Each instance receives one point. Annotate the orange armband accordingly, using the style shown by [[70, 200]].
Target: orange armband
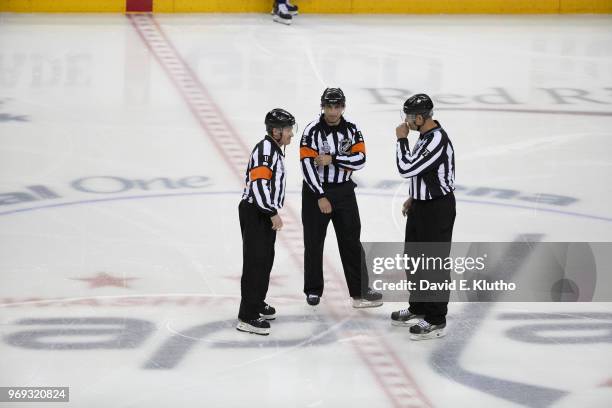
[[307, 152], [260, 172], [358, 148]]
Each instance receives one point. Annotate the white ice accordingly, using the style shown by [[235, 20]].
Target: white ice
[[106, 168]]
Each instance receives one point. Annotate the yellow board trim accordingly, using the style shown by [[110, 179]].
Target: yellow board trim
[[63, 6], [582, 6], [324, 6]]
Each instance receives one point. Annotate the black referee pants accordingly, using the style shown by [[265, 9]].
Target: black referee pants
[[258, 240], [430, 221], [347, 224]]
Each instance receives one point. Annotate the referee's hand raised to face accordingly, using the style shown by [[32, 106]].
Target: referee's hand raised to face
[[401, 131]]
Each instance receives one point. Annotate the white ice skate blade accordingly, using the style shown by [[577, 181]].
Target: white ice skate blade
[[281, 20], [247, 328], [362, 303], [436, 334]]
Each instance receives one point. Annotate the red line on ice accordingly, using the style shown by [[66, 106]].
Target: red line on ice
[[174, 65]]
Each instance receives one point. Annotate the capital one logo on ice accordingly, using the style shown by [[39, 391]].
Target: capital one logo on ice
[[98, 186], [103, 185]]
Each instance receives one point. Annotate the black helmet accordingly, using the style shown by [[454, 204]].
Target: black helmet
[[419, 104], [333, 96], [278, 118]]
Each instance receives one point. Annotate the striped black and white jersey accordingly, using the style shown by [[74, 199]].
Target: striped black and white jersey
[[265, 177], [430, 166], [344, 142]]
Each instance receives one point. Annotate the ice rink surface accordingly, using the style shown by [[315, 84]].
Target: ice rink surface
[[123, 143]]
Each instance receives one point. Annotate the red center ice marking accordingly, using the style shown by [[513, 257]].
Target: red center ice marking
[[377, 355], [103, 279]]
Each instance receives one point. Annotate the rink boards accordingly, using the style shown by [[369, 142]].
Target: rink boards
[[315, 6]]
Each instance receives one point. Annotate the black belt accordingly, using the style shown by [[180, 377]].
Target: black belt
[[337, 185]]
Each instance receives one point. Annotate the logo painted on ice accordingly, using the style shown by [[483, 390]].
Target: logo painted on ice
[[101, 185], [7, 117], [486, 192], [120, 333]]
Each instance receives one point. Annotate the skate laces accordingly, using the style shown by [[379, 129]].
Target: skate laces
[[404, 312], [424, 324]]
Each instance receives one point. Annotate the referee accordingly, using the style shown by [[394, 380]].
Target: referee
[[263, 196], [332, 148], [430, 211]]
